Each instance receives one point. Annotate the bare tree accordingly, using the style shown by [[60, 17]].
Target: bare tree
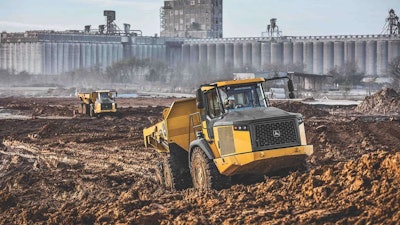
[[348, 75]]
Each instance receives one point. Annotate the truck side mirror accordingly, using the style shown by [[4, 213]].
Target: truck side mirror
[[291, 89], [199, 98]]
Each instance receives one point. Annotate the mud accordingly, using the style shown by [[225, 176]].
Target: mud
[[58, 167]]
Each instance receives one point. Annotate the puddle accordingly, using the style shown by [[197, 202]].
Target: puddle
[[11, 114], [16, 114]]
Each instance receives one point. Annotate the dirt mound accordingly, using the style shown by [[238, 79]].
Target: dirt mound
[[298, 107], [386, 101]]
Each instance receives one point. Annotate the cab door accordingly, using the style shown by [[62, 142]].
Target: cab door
[[213, 111]]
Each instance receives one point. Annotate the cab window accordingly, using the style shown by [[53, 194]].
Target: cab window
[[242, 97], [213, 104]]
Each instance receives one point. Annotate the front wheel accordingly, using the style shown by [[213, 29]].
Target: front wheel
[[205, 174]]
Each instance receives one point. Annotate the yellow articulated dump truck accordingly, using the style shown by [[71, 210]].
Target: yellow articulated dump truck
[[229, 129], [97, 103]]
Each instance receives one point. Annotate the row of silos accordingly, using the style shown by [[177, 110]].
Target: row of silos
[[369, 56], [57, 54], [141, 51], [60, 57], [20, 57], [57, 57]]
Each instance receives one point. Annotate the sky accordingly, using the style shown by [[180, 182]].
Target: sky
[[242, 18]]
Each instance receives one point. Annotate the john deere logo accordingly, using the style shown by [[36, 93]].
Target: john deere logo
[[276, 133]]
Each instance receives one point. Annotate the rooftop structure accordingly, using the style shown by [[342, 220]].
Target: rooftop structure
[[392, 23], [191, 19]]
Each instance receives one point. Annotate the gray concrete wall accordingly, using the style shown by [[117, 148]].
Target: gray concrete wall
[[56, 54]]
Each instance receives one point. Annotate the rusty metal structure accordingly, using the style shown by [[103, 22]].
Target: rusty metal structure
[[272, 29], [392, 23], [110, 27]]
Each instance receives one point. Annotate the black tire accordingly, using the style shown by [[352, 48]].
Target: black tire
[[80, 108], [176, 174], [91, 111], [85, 109], [205, 174]]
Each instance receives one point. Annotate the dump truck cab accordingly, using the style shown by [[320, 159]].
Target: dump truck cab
[[245, 133], [228, 129]]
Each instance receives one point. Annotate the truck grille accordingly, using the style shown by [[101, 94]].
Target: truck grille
[[275, 134], [106, 106]]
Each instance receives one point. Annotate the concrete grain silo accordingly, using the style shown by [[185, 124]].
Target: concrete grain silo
[[194, 54], [360, 53], [350, 50], [220, 56], [203, 54], [256, 55], [298, 52], [265, 54], [371, 56], [277, 53], [328, 61], [247, 55], [308, 57], [382, 57], [186, 54], [229, 55], [211, 55], [238, 55], [394, 49], [338, 54], [318, 57], [287, 53]]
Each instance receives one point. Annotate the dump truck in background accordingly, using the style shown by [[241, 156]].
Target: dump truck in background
[[229, 129], [97, 103]]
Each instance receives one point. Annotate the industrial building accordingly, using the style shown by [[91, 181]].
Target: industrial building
[[52, 53], [191, 19], [56, 53]]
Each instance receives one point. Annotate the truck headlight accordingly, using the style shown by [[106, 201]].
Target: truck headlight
[[240, 127], [300, 119]]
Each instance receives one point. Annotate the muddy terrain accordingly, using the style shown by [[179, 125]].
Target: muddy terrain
[[58, 167]]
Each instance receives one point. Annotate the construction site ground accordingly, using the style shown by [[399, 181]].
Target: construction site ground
[[57, 167]]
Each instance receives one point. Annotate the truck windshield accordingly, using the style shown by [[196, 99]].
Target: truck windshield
[[105, 97], [242, 97]]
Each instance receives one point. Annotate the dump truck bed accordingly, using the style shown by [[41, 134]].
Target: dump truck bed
[[176, 126], [85, 97]]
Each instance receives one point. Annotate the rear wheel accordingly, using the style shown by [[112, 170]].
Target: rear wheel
[[174, 174], [85, 108], [205, 174], [91, 111], [80, 108]]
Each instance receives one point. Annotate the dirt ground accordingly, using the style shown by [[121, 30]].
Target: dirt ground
[[60, 168]]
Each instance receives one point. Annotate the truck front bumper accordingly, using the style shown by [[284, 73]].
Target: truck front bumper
[[262, 162]]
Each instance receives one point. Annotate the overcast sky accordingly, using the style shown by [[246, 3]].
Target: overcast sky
[[242, 18]]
